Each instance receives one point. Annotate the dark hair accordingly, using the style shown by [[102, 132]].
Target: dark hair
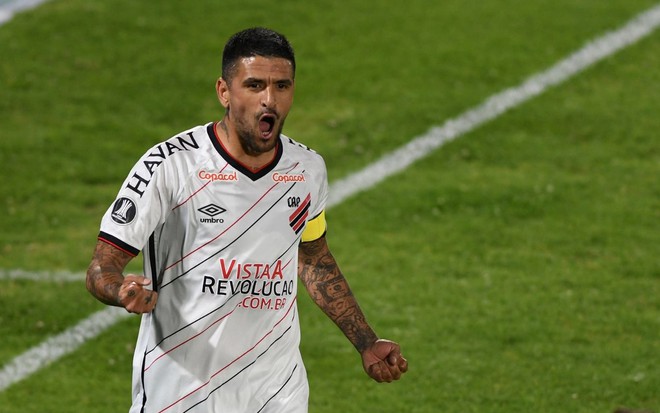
[[256, 41]]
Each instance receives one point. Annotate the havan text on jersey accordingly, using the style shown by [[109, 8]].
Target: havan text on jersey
[[140, 179]]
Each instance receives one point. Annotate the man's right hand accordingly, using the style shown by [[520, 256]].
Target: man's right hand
[[134, 297]]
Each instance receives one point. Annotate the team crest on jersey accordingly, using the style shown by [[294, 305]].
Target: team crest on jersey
[[299, 216], [124, 211]]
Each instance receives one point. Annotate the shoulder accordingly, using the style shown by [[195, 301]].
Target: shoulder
[[187, 144], [302, 153], [316, 175], [170, 154], [189, 140], [311, 163]]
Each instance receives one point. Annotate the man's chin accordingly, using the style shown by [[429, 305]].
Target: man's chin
[[256, 146]]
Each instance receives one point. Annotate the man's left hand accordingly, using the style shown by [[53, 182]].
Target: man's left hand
[[383, 361]]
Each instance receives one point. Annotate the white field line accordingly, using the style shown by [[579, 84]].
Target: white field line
[[9, 9], [56, 276], [398, 160], [60, 345]]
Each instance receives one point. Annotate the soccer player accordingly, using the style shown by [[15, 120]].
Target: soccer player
[[227, 216]]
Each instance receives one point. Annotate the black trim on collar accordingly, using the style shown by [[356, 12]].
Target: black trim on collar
[[215, 139]]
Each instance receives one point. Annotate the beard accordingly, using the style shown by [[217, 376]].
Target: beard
[[252, 142]]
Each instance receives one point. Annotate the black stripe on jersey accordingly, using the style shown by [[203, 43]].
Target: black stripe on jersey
[[242, 370], [116, 242], [295, 243], [192, 323], [152, 263], [210, 257], [215, 139], [233, 241], [280, 389], [226, 303], [144, 390], [154, 282]]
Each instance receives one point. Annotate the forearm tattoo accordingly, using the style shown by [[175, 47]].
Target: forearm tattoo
[[104, 275], [328, 288]]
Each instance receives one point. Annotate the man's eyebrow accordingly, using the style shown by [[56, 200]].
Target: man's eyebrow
[[253, 80], [285, 81]]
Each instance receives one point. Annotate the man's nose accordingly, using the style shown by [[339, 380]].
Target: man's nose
[[268, 97]]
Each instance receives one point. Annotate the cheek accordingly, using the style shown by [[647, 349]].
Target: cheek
[[286, 100], [243, 102], [237, 106]]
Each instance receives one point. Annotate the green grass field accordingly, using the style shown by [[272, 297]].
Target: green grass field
[[518, 266]]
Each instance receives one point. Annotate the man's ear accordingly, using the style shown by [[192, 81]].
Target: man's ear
[[222, 89]]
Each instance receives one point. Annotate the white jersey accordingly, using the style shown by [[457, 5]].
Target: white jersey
[[220, 244]]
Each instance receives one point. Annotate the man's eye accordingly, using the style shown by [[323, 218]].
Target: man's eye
[[253, 85]]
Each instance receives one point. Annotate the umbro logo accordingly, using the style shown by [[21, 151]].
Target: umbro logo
[[211, 210]]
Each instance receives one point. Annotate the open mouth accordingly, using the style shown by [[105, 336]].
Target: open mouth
[[266, 124]]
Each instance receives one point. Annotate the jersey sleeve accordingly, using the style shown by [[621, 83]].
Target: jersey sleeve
[[316, 226], [141, 205]]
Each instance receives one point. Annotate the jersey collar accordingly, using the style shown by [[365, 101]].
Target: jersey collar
[[254, 175]]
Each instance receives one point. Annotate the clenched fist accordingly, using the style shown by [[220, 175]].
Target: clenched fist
[[383, 361], [134, 297]]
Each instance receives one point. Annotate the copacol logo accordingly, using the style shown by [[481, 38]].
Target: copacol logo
[[123, 211], [211, 210]]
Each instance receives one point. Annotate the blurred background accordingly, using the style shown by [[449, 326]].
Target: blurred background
[[517, 265]]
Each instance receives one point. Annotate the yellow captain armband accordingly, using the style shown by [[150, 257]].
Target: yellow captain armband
[[315, 228]]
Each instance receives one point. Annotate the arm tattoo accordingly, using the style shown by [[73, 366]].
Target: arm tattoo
[[104, 275], [328, 288]]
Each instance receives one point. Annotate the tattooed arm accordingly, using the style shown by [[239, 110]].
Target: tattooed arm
[[106, 282], [328, 288]]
